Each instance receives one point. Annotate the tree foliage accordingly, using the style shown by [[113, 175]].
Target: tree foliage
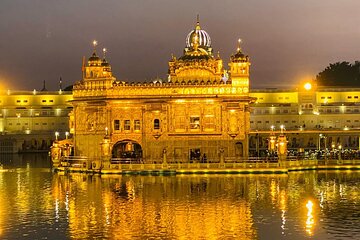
[[340, 74], [69, 88]]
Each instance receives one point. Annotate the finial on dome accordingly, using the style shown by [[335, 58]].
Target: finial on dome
[[95, 43], [239, 45], [197, 22], [104, 52]]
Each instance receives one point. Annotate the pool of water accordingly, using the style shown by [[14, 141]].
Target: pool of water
[[36, 203]]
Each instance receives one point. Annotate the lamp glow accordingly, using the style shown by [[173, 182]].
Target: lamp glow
[[307, 86]]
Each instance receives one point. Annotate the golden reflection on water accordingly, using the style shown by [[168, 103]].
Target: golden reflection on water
[[203, 207], [157, 207], [179, 207], [310, 218]]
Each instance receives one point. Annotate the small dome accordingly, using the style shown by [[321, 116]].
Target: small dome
[[105, 63], [94, 57], [239, 56], [203, 37]]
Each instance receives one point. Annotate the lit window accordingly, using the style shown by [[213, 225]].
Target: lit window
[[127, 125], [116, 124], [18, 101], [156, 124], [349, 97], [51, 100], [194, 122], [136, 124], [43, 100], [356, 97]]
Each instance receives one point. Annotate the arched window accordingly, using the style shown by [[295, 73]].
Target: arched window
[[156, 124]]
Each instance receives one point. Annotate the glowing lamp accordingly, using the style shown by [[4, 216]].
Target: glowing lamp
[[307, 86]]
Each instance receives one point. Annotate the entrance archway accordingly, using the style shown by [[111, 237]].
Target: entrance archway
[[127, 151]]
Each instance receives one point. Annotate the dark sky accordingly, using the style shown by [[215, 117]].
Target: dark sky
[[287, 40]]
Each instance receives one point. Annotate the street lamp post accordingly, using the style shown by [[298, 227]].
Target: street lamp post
[[56, 135], [340, 147]]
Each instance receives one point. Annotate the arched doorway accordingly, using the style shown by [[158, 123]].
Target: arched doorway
[[127, 151]]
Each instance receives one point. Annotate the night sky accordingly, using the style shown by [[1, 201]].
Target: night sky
[[287, 40]]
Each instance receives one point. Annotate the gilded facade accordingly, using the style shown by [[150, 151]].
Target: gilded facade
[[200, 112]]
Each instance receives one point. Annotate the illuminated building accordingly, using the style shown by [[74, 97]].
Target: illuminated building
[[202, 108], [314, 117], [28, 119], [198, 111]]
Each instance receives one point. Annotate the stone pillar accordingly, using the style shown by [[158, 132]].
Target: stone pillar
[[55, 153], [222, 158], [282, 149], [164, 157], [105, 153]]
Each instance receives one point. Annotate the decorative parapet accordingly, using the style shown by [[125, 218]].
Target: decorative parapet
[[183, 89]]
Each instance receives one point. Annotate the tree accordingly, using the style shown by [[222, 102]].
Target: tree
[[69, 88], [342, 74]]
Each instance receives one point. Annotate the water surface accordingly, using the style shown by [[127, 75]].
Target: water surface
[[36, 203]]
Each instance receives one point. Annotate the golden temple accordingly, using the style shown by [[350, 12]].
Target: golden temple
[[200, 112]]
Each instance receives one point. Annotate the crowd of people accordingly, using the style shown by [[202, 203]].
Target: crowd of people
[[329, 154]]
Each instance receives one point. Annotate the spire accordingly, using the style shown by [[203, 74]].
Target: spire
[[44, 87], [197, 23], [239, 45], [60, 84], [95, 43], [83, 67], [104, 53]]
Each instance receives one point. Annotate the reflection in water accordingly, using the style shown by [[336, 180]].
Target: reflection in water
[[310, 218], [36, 203]]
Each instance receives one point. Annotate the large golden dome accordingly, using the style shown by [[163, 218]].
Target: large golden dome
[[203, 37], [198, 62]]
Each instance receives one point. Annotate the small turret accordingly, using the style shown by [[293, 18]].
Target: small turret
[[97, 67], [239, 67]]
